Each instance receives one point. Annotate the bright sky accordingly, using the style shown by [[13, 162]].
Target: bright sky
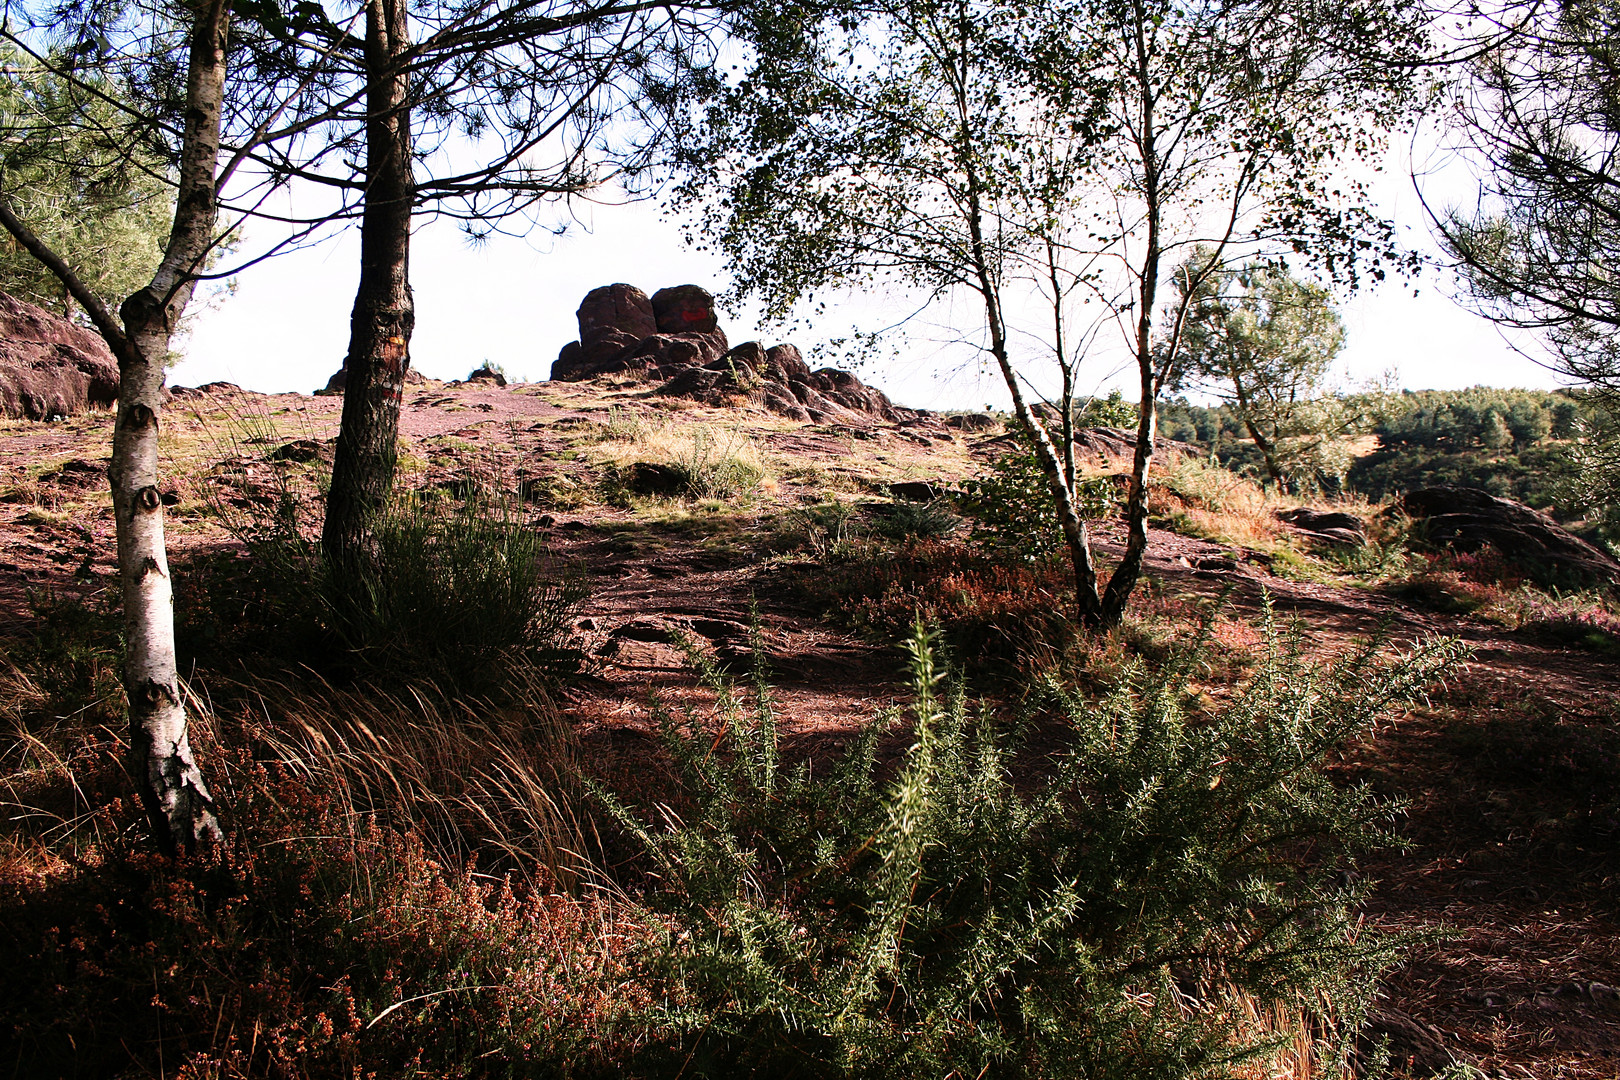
[[512, 301]]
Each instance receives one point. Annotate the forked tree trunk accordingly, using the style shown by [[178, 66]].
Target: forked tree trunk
[[172, 787], [384, 315]]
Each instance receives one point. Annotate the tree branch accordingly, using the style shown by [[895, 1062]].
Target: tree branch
[[106, 323]]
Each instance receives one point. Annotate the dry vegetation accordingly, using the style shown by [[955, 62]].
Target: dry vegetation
[[420, 880]]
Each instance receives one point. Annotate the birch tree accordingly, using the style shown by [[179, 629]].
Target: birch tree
[[1003, 150], [170, 782]]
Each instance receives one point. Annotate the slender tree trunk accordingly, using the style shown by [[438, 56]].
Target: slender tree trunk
[[1076, 537], [1123, 580], [384, 314], [172, 786], [1268, 452]]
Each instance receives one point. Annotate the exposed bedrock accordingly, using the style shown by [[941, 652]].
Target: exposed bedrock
[[50, 367]]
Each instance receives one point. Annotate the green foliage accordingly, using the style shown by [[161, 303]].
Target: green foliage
[[67, 171], [1111, 411], [828, 529], [456, 592], [1170, 863], [1536, 476], [718, 466], [907, 520], [1481, 416], [1263, 341], [1538, 246], [1012, 509]]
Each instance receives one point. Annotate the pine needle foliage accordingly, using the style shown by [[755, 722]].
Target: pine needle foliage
[[1174, 865]]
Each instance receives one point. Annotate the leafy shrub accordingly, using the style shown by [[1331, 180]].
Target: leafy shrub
[[1012, 509], [1169, 869]]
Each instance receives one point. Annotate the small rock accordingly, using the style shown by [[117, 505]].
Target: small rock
[[301, 450], [486, 374], [916, 490], [973, 422], [647, 630], [651, 478], [1330, 526]]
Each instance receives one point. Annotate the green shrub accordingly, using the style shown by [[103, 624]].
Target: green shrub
[[829, 530], [1113, 918], [456, 591], [1012, 509], [906, 520]]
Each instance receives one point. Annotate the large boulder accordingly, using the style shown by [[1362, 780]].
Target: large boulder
[[684, 309], [615, 310], [622, 330], [1468, 519], [50, 367], [1328, 526]]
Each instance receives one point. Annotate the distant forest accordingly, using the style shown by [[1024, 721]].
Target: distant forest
[[1512, 443]]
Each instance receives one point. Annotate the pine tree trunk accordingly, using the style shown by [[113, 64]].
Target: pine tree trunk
[[384, 314], [171, 784]]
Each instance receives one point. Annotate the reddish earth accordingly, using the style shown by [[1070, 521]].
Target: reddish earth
[[1511, 857]]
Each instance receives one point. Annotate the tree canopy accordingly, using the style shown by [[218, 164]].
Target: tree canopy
[[88, 185], [1046, 160]]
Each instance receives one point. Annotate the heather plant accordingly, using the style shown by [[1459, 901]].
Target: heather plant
[[1175, 866]]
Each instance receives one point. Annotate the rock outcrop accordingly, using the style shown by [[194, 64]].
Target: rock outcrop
[[50, 367], [1114, 444], [340, 379], [672, 340], [1328, 526], [1468, 519]]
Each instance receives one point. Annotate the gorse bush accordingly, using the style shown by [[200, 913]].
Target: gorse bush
[[1172, 869]]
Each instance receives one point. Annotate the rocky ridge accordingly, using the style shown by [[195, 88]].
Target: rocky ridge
[[50, 367], [673, 342]]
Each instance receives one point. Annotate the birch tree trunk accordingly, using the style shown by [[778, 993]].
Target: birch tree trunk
[[172, 787], [384, 314]]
